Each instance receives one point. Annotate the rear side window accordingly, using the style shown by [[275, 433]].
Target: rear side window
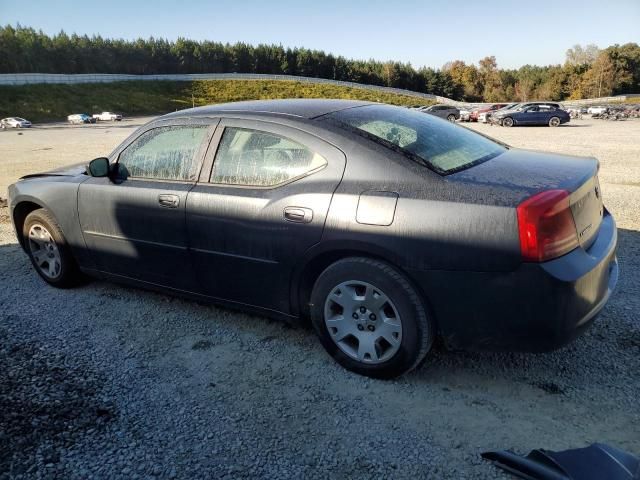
[[261, 159], [165, 153], [433, 142]]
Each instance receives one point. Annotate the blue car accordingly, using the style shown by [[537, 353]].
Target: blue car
[[533, 114]]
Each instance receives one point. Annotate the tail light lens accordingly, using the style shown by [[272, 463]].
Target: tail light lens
[[546, 226]]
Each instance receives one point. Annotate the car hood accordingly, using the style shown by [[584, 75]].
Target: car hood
[[505, 112], [517, 174], [68, 171]]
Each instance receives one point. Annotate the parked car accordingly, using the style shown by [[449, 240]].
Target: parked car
[[597, 110], [448, 112], [491, 119], [475, 114], [107, 117], [14, 122], [80, 118], [533, 114], [370, 219], [465, 115]]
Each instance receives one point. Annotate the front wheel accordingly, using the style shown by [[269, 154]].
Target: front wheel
[[48, 250], [554, 121], [451, 118], [370, 319], [507, 122]]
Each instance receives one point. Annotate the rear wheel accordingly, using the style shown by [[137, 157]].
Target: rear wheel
[[554, 121], [370, 319], [507, 122], [48, 250], [451, 118]]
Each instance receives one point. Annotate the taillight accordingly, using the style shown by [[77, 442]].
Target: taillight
[[546, 226]]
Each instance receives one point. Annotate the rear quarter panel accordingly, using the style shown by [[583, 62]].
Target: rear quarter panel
[[438, 223]]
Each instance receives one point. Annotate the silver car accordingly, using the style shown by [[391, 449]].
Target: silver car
[[14, 122], [448, 112]]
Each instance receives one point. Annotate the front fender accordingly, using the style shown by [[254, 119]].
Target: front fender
[[59, 195]]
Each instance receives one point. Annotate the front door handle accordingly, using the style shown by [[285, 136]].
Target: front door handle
[[168, 200], [298, 214]]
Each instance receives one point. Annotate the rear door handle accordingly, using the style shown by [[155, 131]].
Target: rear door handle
[[168, 200], [298, 214]]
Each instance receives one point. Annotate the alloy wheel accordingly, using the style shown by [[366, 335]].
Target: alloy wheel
[[44, 251], [363, 322]]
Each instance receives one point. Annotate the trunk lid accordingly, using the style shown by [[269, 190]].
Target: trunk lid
[[516, 175]]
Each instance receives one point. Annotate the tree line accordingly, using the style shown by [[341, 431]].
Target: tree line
[[587, 72]]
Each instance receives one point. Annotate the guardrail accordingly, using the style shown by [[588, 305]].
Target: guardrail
[[33, 78]]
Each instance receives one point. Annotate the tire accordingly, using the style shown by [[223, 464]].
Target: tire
[[554, 122], [451, 118], [41, 233], [507, 122], [356, 283]]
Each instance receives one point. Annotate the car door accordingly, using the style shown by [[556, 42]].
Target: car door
[[529, 116], [135, 226], [440, 111], [262, 207], [545, 114]]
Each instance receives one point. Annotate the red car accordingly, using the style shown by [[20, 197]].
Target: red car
[[474, 114]]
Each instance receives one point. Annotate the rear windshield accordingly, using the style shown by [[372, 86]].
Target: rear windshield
[[431, 141]]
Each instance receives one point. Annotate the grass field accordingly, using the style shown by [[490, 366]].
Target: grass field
[[47, 102]]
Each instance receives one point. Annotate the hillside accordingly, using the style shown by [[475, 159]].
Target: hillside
[[46, 102]]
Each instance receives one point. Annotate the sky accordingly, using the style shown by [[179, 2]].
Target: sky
[[424, 33]]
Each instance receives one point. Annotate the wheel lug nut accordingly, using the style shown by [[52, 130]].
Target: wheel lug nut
[[355, 315], [371, 328], [372, 316], [363, 310], [360, 327]]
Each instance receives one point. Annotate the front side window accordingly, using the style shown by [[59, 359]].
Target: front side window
[[165, 153], [440, 145], [254, 158]]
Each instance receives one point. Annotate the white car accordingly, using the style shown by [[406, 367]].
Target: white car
[[107, 116], [599, 110], [14, 122], [465, 115], [482, 117]]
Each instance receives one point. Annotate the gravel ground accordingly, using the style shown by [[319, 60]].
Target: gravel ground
[[109, 382]]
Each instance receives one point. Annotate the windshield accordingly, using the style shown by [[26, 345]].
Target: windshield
[[431, 141]]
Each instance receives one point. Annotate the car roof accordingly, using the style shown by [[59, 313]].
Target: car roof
[[298, 107]]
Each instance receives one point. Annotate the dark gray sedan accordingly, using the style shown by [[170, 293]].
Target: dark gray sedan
[[385, 226]]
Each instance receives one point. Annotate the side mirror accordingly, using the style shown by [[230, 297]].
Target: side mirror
[[98, 167]]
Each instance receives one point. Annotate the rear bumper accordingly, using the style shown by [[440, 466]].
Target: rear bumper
[[538, 307]]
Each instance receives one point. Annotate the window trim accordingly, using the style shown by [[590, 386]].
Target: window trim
[[207, 123], [237, 123]]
